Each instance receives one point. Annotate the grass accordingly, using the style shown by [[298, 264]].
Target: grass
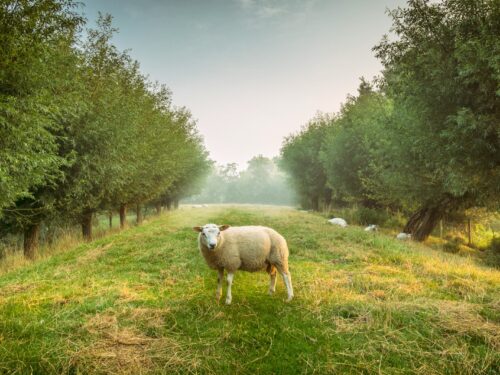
[[11, 252], [142, 301]]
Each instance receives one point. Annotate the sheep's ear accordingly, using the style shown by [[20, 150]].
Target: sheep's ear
[[223, 227], [198, 229]]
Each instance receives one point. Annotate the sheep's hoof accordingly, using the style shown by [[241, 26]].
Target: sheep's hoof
[[228, 301], [271, 292], [289, 298]]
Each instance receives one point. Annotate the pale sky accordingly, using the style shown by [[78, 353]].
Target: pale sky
[[251, 71]]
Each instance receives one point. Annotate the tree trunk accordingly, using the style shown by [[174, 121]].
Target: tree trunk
[[87, 226], [176, 204], [328, 199], [49, 238], [315, 203], [422, 223], [31, 237], [158, 208], [168, 204], [123, 216], [110, 215], [139, 216]]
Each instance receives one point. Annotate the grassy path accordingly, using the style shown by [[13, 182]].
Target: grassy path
[[141, 301]]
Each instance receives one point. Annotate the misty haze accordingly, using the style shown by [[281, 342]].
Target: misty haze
[[249, 187]]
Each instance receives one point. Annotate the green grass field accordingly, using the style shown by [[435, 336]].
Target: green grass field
[[142, 301]]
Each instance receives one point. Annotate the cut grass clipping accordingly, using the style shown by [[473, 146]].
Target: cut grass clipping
[[142, 301]]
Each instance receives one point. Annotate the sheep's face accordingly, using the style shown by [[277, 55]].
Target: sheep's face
[[210, 234]]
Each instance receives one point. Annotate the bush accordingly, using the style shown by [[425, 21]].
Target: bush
[[492, 253], [368, 216], [495, 245], [452, 246]]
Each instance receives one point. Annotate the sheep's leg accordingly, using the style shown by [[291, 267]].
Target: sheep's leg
[[272, 281], [220, 276], [287, 279], [229, 297]]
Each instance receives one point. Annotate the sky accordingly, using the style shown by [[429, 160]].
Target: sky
[[251, 71]]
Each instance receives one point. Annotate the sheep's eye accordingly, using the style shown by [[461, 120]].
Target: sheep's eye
[[203, 234]]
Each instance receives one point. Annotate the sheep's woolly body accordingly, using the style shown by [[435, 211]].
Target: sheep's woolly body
[[250, 248], [338, 221], [403, 236]]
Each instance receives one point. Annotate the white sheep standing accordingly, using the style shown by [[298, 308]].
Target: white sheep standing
[[403, 236], [338, 221], [371, 228], [248, 248]]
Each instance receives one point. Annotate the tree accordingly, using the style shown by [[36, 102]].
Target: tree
[[37, 94], [300, 158], [192, 164], [350, 148], [33, 43], [99, 139], [442, 74], [261, 182]]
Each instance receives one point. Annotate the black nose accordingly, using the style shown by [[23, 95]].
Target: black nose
[[211, 247]]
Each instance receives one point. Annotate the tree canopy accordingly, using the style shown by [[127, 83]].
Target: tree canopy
[[82, 130], [425, 137]]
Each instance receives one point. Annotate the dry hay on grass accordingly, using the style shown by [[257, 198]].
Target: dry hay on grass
[[463, 319], [127, 293], [148, 317], [423, 357], [12, 289], [127, 350], [113, 349], [93, 254]]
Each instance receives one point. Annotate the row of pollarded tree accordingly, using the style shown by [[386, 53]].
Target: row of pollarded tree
[[425, 136], [81, 129]]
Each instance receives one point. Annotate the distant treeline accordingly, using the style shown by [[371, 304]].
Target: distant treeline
[[424, 137], [81, 129], [261, 182]]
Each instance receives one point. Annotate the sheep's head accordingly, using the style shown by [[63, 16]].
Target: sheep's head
[[210, 234]]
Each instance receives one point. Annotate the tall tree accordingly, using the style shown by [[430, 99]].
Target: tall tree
[[443, 72], [351, 144], [300, 158], [38, 93]]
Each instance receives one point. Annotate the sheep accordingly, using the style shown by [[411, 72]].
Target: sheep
[[403, 236], [248, 248], [371, 228], [338, 221]]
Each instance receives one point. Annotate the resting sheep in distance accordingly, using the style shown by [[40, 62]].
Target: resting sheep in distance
[[403, 236], [249, 248], [338, 221], [371, 228]]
